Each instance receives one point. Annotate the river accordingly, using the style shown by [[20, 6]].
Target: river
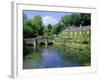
[[50, 57]]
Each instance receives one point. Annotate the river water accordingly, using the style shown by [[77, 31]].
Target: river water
[[50, 57]]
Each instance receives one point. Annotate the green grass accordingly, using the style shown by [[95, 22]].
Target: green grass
[[74, 48]]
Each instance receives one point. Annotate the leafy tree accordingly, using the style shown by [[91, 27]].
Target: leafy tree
[[49, 28], [75, 19], [85, 19], [53, 30], [37, 26], [58, 28], [65, 20], [27, 29]]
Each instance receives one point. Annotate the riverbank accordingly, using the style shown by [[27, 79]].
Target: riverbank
[[76, 52]]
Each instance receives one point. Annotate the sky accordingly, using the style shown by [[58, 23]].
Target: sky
[[48, 17]]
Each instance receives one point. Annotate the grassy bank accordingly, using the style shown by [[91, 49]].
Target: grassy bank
[[77, 49]]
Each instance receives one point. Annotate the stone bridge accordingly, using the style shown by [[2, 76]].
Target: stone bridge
[[39, 40]]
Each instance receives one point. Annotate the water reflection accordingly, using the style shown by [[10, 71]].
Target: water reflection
[[50, 57]]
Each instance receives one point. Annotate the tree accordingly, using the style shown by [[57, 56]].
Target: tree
[[49, 28], [53, 30], [27, 29], [85, 18], [65, 20], [58, 28], [75, 19], [37, 26]]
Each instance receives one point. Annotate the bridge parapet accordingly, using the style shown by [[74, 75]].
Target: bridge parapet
[[38, 40]]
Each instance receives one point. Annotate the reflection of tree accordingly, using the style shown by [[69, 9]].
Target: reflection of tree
[[37, 57], [25, 51], [67, 53], [81, 54]]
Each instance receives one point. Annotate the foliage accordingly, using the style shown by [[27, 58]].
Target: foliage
[[85, 19], [66, 20], [28, 31], [58, 28], [32, 28], [75, 19], [35, 26], [85, 38], [49, 28]]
